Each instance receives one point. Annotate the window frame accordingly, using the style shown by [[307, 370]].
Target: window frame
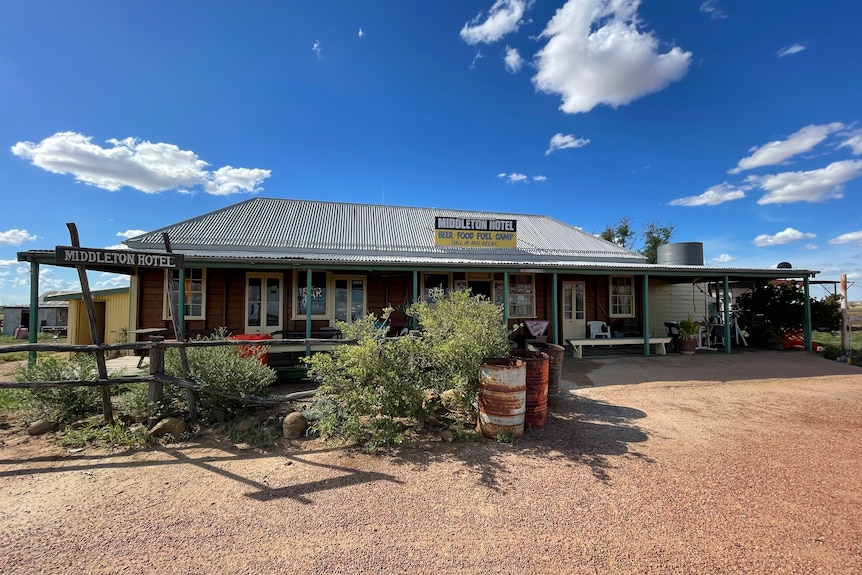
[[329, 300], [613, 305], [168, 277], [447, 288], [513, 285], [349, 278]]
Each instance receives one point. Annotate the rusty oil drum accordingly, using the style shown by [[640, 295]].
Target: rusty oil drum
[[555, 367], [502, 396], [536, 413]]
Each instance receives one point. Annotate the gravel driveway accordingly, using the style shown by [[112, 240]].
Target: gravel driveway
[[688, 472]]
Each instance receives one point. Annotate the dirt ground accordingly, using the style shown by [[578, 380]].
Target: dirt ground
[[729, 472]]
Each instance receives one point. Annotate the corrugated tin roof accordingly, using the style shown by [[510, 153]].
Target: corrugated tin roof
[[307, 230]]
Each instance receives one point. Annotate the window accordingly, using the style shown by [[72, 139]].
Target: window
[[622, 296], [317, 298], [522, 296], [194, 292], [431, 281], [349, 299]]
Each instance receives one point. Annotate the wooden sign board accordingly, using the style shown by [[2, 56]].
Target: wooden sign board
[[72, 256]]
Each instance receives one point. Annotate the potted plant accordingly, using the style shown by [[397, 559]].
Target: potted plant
[[688, 335]]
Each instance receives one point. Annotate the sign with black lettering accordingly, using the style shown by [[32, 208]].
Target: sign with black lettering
[[71, 256], [475, 233]]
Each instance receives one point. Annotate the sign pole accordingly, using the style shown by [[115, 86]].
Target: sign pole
[[95, 336], [180, 332]]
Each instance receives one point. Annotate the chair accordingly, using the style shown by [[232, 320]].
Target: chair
[[672, 329], [716, 336], [599, 329]]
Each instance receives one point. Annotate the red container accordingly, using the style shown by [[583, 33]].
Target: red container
[[555, 364], [536, 414], [252, 350]]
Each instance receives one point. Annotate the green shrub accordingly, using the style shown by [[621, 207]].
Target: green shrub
[[223, 369], [63, 404], [93, 431], [371, 392]]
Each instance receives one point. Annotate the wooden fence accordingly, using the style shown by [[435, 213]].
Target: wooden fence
[[157, 377]]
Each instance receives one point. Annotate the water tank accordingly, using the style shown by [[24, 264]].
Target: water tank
[[681, 254]]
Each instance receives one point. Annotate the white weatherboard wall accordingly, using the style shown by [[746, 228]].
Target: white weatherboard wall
[[674, 302]]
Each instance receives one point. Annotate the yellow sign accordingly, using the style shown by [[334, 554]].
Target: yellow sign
[[475, 233]]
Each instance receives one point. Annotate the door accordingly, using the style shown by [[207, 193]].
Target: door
[[574, 306], [263, 303], [349, 299]]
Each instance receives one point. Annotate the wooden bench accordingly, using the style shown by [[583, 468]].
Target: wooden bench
[[578, 344]]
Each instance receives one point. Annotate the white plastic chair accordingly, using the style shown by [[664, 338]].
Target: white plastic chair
[[599, 329]]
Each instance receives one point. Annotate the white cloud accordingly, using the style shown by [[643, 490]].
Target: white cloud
[[229, 180], [108, 281], [811, 247], [117, 247], [778, 151], [514, 177], [790, 50], [596, 55], [561, 141], [854, 142], [317, 49], [781, 238], [130, 234], [712, 197], [48, 280], [504, 17], [4, 263], [361, 33], [15, 237], [513, 60], [812, 186], [145, 166], [476, 58], [848, 238], [711, 8], [724, 258]]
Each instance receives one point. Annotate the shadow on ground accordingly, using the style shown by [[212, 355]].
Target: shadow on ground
[[579, 431]]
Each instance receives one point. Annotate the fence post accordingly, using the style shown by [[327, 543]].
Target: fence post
[[155, 392]]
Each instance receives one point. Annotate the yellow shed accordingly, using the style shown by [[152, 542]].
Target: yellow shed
[[112, 315]]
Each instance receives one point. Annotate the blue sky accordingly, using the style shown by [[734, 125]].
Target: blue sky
[[736, 122]]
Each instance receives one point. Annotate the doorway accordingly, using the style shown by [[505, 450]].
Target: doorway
[[574, 310], [263, 303]]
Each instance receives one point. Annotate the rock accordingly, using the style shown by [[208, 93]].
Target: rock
[[173, 425], [39, 427], [294, 425]]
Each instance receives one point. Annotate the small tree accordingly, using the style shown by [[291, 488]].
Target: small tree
[[653, 234], [775, 308], [370, 391]]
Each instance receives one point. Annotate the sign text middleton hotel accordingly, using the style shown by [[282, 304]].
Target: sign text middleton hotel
[[475, 233]]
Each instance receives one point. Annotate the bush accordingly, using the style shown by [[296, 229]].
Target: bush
[[63, 405], [778, 307], [371, 392], [223, 369]]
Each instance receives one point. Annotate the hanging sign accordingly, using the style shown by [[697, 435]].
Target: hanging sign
[[72, 256], [475, 233]]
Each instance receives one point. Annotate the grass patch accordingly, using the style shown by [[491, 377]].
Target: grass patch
[[13, 400], [93, 432]]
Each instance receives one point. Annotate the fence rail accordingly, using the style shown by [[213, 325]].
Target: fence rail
[[157, 376]]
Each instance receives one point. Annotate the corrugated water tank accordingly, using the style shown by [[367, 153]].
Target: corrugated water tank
[[680, 254]]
